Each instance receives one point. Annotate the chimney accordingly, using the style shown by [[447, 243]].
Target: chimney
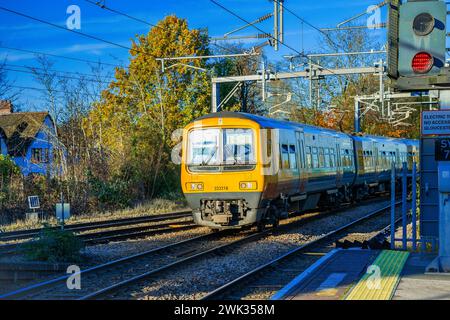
[[6, 107]]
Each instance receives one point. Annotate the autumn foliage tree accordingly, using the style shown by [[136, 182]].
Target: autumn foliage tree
[[135, 117]]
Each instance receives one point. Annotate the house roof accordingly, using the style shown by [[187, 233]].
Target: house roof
[[20, 129], [26, 124]]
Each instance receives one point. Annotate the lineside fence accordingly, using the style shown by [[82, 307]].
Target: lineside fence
[[405, 176]]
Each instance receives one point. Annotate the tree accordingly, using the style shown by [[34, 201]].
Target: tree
[[248, 98], [136, 115], [7, 91]]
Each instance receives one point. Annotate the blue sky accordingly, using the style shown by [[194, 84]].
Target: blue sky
[[19, 32]]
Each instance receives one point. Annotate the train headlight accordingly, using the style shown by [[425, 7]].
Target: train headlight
[[195, 186], [247, 185]]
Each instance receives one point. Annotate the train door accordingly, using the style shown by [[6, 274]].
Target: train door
[[303, 173], [294, 163], [339, 169], [376, 159], [397, 158]]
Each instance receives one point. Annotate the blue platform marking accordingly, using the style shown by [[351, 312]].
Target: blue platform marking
[[280, 294], [332, 281]]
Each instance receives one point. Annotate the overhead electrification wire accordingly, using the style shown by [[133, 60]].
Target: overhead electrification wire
[[59, 71], [103, 6], [269, 35], [306, 22], [79, 32], [74, 31], [84, 94], [57, 75], [60, 56]]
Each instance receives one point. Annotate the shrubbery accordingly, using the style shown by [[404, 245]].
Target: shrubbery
[[54, 245], [114, 193], [8, 170]]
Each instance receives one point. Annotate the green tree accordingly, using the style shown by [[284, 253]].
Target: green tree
[[8, 169], [135, 117]]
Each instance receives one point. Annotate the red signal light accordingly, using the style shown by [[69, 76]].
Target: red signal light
[[422, 62]]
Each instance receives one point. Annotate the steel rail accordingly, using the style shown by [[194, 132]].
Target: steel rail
[[221, 291], [33, 289], [252, 237], [116, 235], [24, 234], [44, 285]]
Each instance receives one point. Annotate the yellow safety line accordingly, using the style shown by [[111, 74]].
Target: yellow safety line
[[391, 264]]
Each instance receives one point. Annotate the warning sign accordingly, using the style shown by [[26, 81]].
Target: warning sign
[[436, 123]]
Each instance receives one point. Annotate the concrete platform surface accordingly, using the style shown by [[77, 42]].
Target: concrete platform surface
[[330, 278], [415, 284], [345, 274]]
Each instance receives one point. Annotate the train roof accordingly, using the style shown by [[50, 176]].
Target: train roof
[[265, 122]]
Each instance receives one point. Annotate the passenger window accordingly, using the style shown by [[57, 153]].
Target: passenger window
[[332, 158], [346, 158], [326, 152], [292, 157], [315, 158], [284, 156], [308, 157], [321, 158]]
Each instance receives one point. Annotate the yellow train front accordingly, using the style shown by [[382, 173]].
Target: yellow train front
[[240, 169], [221, 171]]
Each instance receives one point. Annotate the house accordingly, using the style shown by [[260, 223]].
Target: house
[[28, 138]]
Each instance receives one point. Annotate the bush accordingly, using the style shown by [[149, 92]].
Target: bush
[[8, 170], [54, 245], [110, 194]]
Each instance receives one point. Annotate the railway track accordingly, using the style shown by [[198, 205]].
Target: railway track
[[89, 226], [270, 277], [117, 234], [107, 279]]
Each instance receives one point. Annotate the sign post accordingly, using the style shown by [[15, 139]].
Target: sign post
[[62, 211], [435, 182]]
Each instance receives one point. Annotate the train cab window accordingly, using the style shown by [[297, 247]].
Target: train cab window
[[285, 156], [308, 157], [321, 158], [238, 146], [332, 159], [292, 157], [315, 158]]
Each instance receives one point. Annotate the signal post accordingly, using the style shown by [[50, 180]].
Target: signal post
[[417, 49]]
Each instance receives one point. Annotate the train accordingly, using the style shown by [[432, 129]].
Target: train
[[242, 170]]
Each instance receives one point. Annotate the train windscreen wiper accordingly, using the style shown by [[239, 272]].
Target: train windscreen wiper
[[211, 155]]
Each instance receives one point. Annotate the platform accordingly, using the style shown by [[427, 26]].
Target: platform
[[357, 274]]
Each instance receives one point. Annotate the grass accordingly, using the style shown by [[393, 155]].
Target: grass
[[155, 206]]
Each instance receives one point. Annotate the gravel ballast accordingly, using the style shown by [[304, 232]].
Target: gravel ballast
[[196, 279]]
